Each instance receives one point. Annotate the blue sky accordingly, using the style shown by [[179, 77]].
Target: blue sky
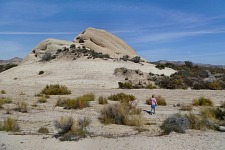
[[176, 30]]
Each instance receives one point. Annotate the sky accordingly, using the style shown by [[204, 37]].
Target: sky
[[175, 30]]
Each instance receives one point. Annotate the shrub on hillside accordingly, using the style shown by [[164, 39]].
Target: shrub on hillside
[[122, 97], [202, 101], [160, 66], [176, 123], [46, 57], [69, 130], [215, 85], [22, 107], [9, 124], [55, 89], [102, 100], [122, 114]]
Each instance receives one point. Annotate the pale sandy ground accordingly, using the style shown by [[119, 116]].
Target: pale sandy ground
[[23, 82], [119, 137]]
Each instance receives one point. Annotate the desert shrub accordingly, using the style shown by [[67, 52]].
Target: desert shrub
[[4, 100], [202, 101], [68, 129], [215, 85], [42, 99], [76, 103], [199, 123], [222, 104], [9, 124], [43, 130], [41, 72], [22, 107], [176, 123], [122, 97], [55, 89], [102, 100], [122, 114], [161, 100], [150, 86], [3, 92], [125, 85], [213, 113], [186, 107], [46, 57], [136, 59]]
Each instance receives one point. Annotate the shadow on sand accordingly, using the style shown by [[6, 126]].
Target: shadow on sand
[[149, 112]]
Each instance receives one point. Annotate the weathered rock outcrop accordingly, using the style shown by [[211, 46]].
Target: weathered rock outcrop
[[104, 42]]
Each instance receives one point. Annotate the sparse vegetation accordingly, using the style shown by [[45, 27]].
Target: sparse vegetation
[[160, 66], [202, 101], [213, 113], [22, 106], [43, 130], [122, 97], [69, 130], [9, 124], [222, 104], [186, 107], [55, 89], [176, 123], [4, 100], [161, 100], [102, 100], [46, 57], [42, 99], [122, 114]]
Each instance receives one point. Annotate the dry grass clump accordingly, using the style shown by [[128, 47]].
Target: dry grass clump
[[202, 101], [176, 123], [3, 92], [69, 130], [161, 100], [4, 100], [55, 89], [213, 113], [9, 124], [42, 99], [43, 130], [76, 103], [122, 97], [102, 100], [22, 106], [122, 114], [186, 107], [198, 122]]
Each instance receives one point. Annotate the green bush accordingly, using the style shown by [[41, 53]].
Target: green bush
[[202, 101], [176, 123], [122, 114], [122, 97], [160, 66], [126, 85], [161, 100], [69, 130], [215, 85], [102, 100], [9, 124], [55, 89]]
